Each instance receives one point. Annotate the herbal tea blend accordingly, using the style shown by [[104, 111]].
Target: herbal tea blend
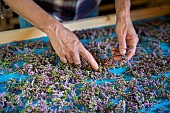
[[44, 84]]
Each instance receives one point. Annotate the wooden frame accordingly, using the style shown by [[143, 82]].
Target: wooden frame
[[30, 33], [111, 6]]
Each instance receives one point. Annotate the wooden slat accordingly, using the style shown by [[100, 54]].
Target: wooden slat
[[14, 21], [138, 2], [3, 24], [111, 6], [30, 33], [107, 7], [111, 19]]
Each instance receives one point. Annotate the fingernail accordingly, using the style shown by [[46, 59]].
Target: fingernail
[[122, 52], [96, 67]]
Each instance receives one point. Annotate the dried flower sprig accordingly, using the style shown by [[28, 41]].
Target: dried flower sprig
[[56, 87]]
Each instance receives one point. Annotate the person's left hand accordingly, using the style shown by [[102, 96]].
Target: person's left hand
[[127, 39]]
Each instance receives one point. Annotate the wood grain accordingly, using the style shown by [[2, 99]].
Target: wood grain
[[111, 6], [30, 33]]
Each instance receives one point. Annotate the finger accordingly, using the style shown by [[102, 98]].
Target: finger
[[89, 58], [62, 56], [122, 62], [115, 53], [122, 40], [59, 53], [122, 45], [131, 53], [76, 58], [117, 57], [69, 58], [132, 43], [115, 49], [63, 59]]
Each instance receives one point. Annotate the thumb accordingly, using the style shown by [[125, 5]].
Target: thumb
[[122, 45], [122, 40]]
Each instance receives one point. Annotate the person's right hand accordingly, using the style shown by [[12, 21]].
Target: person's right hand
[[69, 48]]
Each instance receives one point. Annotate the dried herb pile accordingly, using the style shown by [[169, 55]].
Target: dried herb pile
[[52, 86]]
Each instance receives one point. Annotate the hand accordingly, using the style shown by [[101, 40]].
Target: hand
[[127, 39], [69, 48], [64, 42]]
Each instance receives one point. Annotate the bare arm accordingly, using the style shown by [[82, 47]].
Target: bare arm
[[65, 43], [125, 31], [122, 8], [29, 10]]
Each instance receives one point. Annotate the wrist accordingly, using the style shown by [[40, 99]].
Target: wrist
[[52, 27], [123, 14], [122, 8]]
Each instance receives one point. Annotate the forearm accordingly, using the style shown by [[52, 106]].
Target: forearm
[[122, 8], [29, 10]]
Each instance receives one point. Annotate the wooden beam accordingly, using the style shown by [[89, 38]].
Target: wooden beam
[[111, 6], [107, 7], [138, 2], [30, 33]]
